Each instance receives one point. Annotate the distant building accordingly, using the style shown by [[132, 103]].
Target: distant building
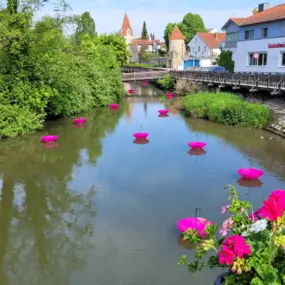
[[177, 50], [258, 41], [204, 49], [212, 30], [135, 45]]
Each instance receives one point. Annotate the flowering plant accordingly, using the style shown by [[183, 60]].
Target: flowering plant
[[251, 244]]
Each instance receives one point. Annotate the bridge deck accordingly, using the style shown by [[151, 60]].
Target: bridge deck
[[253, 81]]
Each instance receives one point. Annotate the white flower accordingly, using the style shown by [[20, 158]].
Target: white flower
[[258, 226]]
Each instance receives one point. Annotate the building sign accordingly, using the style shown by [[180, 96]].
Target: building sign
[[276, 45]]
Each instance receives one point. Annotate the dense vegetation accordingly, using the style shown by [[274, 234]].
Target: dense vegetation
[[190, 25], [226, 108], [225, 60], [166, 82], [44, 73]]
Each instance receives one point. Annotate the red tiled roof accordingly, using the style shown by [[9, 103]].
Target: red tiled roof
[[145, 42], [237, 21], [271, 14], [125, 26], [176, 34], [212, 40]]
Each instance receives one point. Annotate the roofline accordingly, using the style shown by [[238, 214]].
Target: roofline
[[259, 23]]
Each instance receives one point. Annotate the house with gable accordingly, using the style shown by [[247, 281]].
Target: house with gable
[[204, 49], [258, 41]]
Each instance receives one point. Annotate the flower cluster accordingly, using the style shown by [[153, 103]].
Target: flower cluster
[[233, 248], [227, 224]]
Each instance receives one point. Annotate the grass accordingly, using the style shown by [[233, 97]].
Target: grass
[[226, 108]]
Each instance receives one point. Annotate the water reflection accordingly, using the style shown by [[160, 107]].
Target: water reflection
[[185, 243], [249, 183], [194, 151], [45, 226], [163, 115], [141, 141]]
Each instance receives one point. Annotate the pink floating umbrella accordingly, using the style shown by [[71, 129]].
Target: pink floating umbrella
[[141, 141], [79, 121], [163, 112], [114, 106], [145, 83], [250, 173], [140, 135], [131, 91], [49, 139], [169, 95], [193, 223], [197, 145]]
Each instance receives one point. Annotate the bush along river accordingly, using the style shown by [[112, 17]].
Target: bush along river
[[95, 207]]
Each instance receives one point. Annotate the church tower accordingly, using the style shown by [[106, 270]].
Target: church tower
[[126, 30]]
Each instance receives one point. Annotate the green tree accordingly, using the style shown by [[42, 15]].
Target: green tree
[[85, 26], [118, 45], [168, 31], [144, 34], [225, 60], [194, 23]]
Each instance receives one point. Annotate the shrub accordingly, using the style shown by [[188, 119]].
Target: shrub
[[183, 87], [18, 121], [226, 108], [166, 82]]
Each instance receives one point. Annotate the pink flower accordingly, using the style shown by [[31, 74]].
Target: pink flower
[[227, 224], [226, 256], [274, 206], [225, 208], [233, 247], [193, 223], [255, 215]]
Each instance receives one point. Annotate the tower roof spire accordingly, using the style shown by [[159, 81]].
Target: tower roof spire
[[126, 26]]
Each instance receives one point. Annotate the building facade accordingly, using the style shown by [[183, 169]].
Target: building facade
[[204, 49], [258, 42]]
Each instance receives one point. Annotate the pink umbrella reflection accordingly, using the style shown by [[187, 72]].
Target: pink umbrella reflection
[[250, 183], [197, 145], [51, 145], [163, 112], [140, 135], [185, 243], [145, 82], [250, 173], [49, 139], [163, 115], [141, 141], [79, 126], [197, 151]]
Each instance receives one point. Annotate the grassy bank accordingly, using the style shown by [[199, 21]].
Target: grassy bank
[[226, 108]]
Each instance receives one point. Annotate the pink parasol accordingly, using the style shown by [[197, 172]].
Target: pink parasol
[[163, 112], [49, 139], [140, 135], [114, 106], [250, 173], [79, 121], [197, 145]]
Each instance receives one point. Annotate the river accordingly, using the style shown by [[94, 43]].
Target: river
[[96, 208]]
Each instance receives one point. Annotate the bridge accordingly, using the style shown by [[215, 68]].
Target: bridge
[[274, 82]]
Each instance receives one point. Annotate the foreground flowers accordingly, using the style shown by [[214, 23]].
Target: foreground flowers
[[254, 247]]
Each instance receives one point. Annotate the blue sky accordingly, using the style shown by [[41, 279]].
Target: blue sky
[[108, 14]]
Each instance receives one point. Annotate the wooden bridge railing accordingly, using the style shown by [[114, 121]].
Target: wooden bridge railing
[[274, 82]]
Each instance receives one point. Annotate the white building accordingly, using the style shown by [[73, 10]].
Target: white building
[[258, 42], [204, 49]]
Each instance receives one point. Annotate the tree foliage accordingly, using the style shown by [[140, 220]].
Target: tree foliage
[[225, 60], [190, 25], [44, 74], [144, 34], [85, 26]]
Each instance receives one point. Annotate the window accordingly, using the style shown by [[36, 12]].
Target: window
[[260, 61], [199, 48], [231, 37], [282, 61], [128, 32], [205, 48], [264, 32], [248, 35]]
